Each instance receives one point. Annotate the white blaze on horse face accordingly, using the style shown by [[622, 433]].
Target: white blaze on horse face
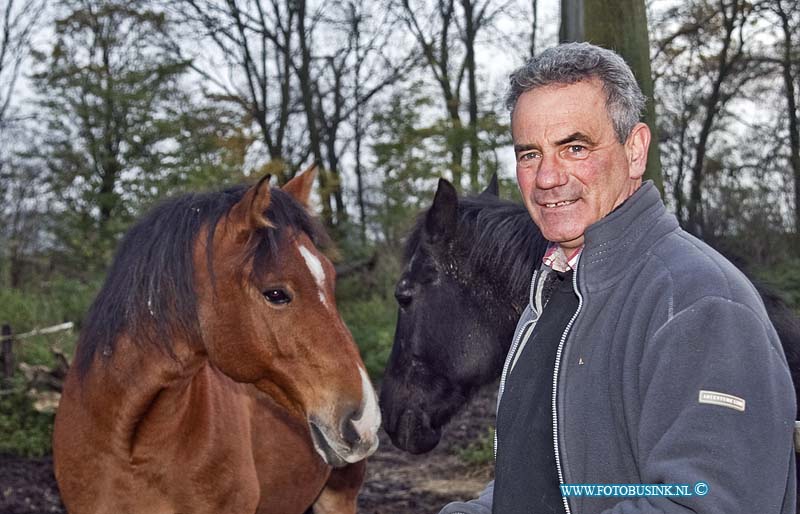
[[315, 265], [370, 421]]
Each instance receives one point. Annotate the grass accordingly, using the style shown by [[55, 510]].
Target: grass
[[480, 451]]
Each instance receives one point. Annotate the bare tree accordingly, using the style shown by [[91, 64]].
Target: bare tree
[[257, 41], [23, 221], [447, 37], [788, 13], [733, 16], [355, 18], [17, 24], [292, 67], [349, 76], [18, 184], [719, 72]]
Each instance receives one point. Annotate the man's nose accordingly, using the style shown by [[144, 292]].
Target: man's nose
[[551, 173]]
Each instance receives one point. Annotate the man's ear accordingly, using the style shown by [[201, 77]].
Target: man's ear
[[440, 221], [636, 148], [493, 189], [300, 186], [250, 213]]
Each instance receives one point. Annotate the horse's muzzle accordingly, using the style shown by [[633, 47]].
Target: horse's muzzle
[[354, 437], [412, 432]]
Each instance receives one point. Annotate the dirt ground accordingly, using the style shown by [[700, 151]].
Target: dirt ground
[[397, 483]]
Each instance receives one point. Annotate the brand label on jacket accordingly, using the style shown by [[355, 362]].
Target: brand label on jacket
[[722, 399]]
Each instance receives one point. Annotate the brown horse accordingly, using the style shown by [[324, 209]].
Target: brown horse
[[214, 373]]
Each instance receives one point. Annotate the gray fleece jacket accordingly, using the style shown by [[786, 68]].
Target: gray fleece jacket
[[671, 373]]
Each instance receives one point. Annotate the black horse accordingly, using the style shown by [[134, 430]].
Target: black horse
[[468, 269]]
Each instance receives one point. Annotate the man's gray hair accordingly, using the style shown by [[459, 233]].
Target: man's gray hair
[[574, 62]]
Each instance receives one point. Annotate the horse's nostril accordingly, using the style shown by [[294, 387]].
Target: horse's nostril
[[349, 432]]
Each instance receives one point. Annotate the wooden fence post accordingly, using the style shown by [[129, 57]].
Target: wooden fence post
[[7, 352]]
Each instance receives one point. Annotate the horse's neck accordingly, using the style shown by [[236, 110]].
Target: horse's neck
[[193, 414], [138, 384], [501, 285]]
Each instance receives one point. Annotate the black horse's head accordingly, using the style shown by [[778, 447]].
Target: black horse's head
[[468, 264]]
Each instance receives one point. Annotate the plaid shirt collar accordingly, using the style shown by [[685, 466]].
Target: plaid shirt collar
[[556, 259]]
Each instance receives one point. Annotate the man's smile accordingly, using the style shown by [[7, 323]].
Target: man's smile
[[559, 204]]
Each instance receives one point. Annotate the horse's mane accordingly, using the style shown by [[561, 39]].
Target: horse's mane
[[149, 292], [497, 238]]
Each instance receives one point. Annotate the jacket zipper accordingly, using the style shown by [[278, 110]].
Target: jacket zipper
[[510, 358], [554, 405]]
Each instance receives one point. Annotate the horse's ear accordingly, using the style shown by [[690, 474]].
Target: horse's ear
[[250, 213], [493, 189], [440, 221], [300, 186]]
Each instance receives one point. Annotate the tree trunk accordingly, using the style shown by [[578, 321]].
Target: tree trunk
[[16, 261], [304, 76], [358, 130], [534, 26], [331, 126], [456, 146], [472, 87], [620, 25], [109, 164], [791, 109], [572, 24], [696, 220], [362, 213], [436, 52], [677, 193]]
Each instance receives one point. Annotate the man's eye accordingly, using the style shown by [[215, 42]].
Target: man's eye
[[528, 156], [575, 151]]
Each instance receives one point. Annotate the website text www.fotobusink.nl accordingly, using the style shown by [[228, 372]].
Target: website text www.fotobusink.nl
[[635, 490]]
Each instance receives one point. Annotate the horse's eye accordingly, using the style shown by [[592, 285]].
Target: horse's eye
[[402, 293], [277, 296]]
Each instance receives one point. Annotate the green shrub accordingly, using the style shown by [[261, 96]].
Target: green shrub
[[371, 322], [73, 297], [785, 278], [51, 304], [366, 302], [24, 431]]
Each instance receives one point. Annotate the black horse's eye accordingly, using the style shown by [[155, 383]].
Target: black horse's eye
[[402, 293], [277, 296]]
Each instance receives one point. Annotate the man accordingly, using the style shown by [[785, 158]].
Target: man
[[644, 356]]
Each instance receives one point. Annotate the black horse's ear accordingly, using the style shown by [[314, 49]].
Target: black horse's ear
[[440, 222], [493, 189]]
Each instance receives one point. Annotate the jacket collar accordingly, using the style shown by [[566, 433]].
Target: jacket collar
[[613, 244]]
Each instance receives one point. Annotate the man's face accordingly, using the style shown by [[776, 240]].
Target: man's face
[[571, 168]]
